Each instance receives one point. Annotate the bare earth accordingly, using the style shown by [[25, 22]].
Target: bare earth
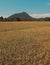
[[25, 43]]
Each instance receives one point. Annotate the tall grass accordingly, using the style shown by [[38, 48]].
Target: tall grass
[[25, 43]]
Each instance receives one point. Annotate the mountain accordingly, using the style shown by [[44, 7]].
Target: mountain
[[23, 16]]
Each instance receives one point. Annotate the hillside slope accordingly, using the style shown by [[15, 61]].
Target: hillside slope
[[21, 16]]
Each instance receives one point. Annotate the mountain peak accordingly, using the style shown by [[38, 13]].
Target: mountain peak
[[24, 12], [21, 16]]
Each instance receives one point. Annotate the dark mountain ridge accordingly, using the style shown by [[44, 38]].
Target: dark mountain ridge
[[22, 16]]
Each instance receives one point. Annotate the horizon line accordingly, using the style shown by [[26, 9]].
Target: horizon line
[[32, 15]]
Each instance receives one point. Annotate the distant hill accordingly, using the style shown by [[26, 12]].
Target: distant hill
[[23, 16]]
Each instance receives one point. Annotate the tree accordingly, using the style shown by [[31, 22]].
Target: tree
[[1, 18], [18, 19], [5, 19]]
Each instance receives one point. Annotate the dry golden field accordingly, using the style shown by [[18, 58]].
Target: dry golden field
[[25, 43]]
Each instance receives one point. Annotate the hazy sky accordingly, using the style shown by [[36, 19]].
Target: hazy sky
[[33, 7]]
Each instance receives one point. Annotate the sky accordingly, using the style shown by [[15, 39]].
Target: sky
[[36, 8]]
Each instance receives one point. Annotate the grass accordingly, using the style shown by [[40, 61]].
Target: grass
[[25, 43]]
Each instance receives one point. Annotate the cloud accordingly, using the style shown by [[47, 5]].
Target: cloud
[[49, 3], [40, 15]]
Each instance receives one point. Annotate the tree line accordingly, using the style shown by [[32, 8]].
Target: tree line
[[18, 19], [6, 19]]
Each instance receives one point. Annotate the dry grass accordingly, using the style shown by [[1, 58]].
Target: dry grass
[[25, 43]]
